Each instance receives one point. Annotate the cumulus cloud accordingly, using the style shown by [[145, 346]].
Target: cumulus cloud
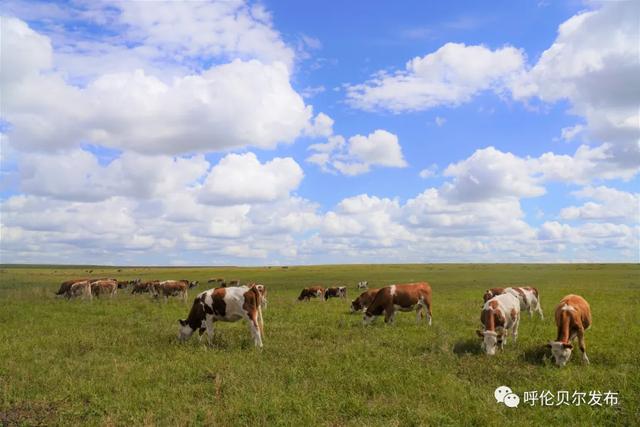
[[450, 76], [357, 155], [241, 178], [609, 204]]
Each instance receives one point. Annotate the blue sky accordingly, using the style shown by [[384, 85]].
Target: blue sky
[[286, 132]]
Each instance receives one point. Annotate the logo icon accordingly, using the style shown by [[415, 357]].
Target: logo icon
[[504, 394]]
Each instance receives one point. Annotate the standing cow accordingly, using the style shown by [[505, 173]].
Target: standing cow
[[573, 317], [66, 286], [171, 288], [363, 300], [312, 292], [104, 287], [338, 292], [228, 305], [80, 289], [363, 284], [407, 297], [500, 315], [528, 297]]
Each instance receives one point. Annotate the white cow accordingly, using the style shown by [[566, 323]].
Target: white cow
[[529, 299], [363, 285], [499, 315]]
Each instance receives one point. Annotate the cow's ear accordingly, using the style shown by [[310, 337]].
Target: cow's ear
[[182, 322], [567, 345], [479, 332]]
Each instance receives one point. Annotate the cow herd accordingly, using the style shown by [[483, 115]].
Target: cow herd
[[230, 302]]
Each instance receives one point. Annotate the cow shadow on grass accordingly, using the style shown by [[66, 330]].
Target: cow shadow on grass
[[538, 355], [468, 347]]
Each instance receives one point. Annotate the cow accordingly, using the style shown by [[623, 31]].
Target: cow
[[499, 315], [528, 297], [337, 292], [227, 305], [80, 289], [363, 300], [123, 284], [312, 292], [144, 287], [405, 297], [66, 286], [192, 284], [263, 293], [216, 280], [363, 284], [104, 286], [170, 288], [235, 282], [573, 317]]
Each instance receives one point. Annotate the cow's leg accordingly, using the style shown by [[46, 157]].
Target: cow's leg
[[418, 313], [389, 315], [516, 324], [539, 309], [208, 323], [260, 322], [255, 330], [427, 302], [583, 346]]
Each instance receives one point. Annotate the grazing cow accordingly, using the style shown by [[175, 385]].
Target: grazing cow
[[80, 289], [192, 284], [407, 297], [171, 288], [529, 299], [573, 317], [66, 286], [123, 284], [499, 315], [227, 305], [145, 287], [363, 301], [104, 286], [235, 282], [338, 292], [363, 285], [216, 280], [312, 292]]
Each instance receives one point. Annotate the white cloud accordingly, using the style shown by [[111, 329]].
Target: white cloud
[[322, 126], [379, 148], [440, 121], [450, 76], [429, 172], [610, 204], [241, 178], [569, 133], [24, 51]]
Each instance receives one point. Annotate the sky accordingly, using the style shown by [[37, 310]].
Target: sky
[[286, 132]]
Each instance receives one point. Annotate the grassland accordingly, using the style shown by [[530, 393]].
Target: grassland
[[117, 362]]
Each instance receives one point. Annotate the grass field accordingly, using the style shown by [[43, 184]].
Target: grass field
[[117, 362]]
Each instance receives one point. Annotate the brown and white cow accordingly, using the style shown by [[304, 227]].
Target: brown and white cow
[[170, 288], [363, 300], [527, 295], [500, 315], [337, 292], [104, 287], [573, 317], [406, 297], [144, 287], [312, 292], [80, 289], [227, 305], [66, 286]]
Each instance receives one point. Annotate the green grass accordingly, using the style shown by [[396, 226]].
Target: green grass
[[117, 362]]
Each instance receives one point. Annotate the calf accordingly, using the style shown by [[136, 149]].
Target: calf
[[407, 297], [80, 289], [363, 300], [499, 315], [104, 286], [227, 305], [312, 292], [363, 285], [171, 288], [573, 317], [339, 292], [529, 300]]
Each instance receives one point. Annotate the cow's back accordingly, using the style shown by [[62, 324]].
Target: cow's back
[[577, 303]]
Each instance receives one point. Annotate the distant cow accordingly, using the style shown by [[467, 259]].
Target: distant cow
[[338, 292], [216, 280], [140, 288], [66, 286], [171, 288], [192, 284], [123, 284], [80, 289], [573, 317], [235, 282], [363, 300], [104, 287], [499, 315], [528, 297], [363, 285], [406, 297], [227, 305], [312, 292]]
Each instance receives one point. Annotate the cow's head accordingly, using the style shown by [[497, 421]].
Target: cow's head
[[356, 305], [185, 331], [487, 295], [561, 351], [367, 318], [193, 284], [490, 341]]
